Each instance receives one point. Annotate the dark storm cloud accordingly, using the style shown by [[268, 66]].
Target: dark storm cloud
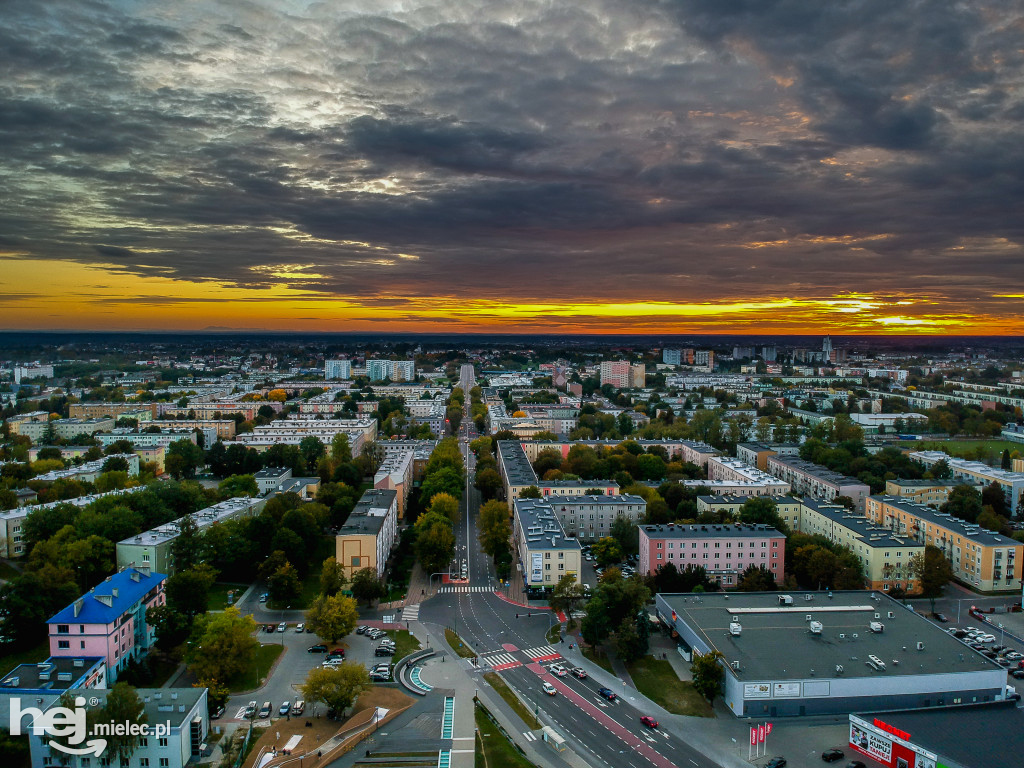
[[686, 151]]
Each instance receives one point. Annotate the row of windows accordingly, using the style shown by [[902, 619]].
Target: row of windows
[[85, 762], [728, 545], [693, 556]]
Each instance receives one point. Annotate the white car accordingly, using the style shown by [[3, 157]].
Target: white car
[[300, 627], [558, 669], [986, 638], [333, 662], [549, 689]]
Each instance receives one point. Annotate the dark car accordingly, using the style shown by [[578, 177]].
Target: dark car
[[336, 652], [1017, 674], [361, 629], [317, 649], [579, 672], [855, 764], [384, 651], [831, 755], [940, 617], [775, 762], [608, 693]]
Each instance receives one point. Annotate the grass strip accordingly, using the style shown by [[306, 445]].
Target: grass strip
[[495, 749], [499, 685], [656, 680]]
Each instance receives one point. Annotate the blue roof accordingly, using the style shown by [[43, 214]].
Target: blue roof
[[129, 592]]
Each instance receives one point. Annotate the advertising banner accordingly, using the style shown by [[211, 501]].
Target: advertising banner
[[872, 744], [757, 691]]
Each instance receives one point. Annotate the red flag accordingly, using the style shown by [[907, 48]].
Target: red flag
[[767, 729], [760, 733], [753, 734]]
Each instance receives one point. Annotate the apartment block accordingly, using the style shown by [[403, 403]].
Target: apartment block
[[43, 682], [89, 471], [578, 487], [981, 558], [396, 474], [212, 429], [110, 621], [756, 454], [152, 549], [788, 507], [623, 375], [395, 370], [739, 478], [142, 439], [248, 409], [64, 429], [337, 369], [591, 517], [293, 431], [545, 552], [515, 469], [672, 356], [89, 410], [724, 551], [810, 479], [974, 472], [934, 492], [269, 478], [366, 538]]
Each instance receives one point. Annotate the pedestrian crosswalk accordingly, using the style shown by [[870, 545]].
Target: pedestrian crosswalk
[[411, 612], [530, 735], [463, 588], [543, 653], [500, 661]]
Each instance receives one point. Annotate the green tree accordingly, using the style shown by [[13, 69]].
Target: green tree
[[494, 528], [606, 551], [312, 449], [567, 594], [366, 585], [435, 541], [170, 627], [332, 577], [222, 645], [284, 585], [596, 626], [626, 534], [708, 674], [182, 459], [445, 504], [628, 644], [122, 705], [757, 578], [993, 496], [444, 480], [187, 544], [933, 572], [530, 492], [341, 449], [488, 482], [337, 688], [963, 502], [188, 591], [762, 510], [238, 485], [332, 616]]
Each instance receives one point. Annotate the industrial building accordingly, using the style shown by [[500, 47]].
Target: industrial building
[[826, 653]]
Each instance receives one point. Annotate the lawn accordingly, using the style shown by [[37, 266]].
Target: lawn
[[9, 661], [511, 699], [250, 678], [405, 643], [218, 597], [459, 645], [493, 750], [990, 450], [554, 634], [656, 680], [597, 656]]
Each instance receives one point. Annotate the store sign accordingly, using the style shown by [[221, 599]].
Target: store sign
[[882, 726], [757, 691], [535, 574], [786, 690], [871, 743]]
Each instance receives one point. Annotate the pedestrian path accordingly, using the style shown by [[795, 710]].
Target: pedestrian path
[[464, 588], [500, 661], [529, 735], [411, 612], [543, 653]]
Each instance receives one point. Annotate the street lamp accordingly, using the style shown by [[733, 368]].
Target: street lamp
[[284, 621]]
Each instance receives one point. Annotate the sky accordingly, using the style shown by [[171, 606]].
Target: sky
[[648, 166]]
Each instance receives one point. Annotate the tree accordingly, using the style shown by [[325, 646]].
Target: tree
[[332, 616], [171, 627], [595, 627], [708, 674], [488, 482], [530, 492], [284, 584], [337, 688], [366, 585], [435, 541], [444, 480], [757, 578], [567, 594], [963, 502], [182, 459], [238, 485], [1006, 462], [122, 705], [606, 551], [445, 504], [626, 534], [115, 464], [188, 591], [341, 449], [332, 577], [628, 644], [933, 571], [312, 449], [762, 510], [494, 528], [186, 545], [222, 645], [993, 496]]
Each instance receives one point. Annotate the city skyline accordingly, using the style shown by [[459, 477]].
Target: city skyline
[[619, 167]]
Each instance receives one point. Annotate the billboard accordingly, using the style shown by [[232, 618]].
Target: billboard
[[757, 691], [871, 743]]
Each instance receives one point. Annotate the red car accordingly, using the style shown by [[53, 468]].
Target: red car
[[649, 721]]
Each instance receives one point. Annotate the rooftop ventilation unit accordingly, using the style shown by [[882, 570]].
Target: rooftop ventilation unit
[[892, 615], [877, 627], [785, 599], [735, 628], [920, 646], [816, 627], [876, 663], [736, 665], [839, 669]]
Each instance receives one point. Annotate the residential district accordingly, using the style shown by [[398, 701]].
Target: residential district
[[245, 551]]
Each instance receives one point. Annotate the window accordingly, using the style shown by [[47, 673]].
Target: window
[[81, 629], [162, 742], [164, 762], [62, 629], [143, 741], [64, 644], [144, 762]]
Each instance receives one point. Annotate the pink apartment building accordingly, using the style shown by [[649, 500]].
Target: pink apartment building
[[110, 621], [724, 551]]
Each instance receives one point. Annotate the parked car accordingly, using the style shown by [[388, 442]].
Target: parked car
[[333, 661], [264, 597], [361, 629], [317, 649], [649, 721], [282, 627], [383, 650], [580, 672], [250, 709], [299, 628], [776, 762], [831, 755], [940, 617], [608, 693], [336, 652], [219, 712], [265, 710], [855, 764], [380, 675], [549, 689], [285, 709], [298, 707]]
